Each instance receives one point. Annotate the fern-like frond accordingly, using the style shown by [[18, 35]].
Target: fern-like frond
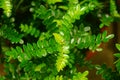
[[83, 39], [59, 39], [63, 56], [39, 49], [30, 30], [11, 34], [113, 9], [74, 13], [62, 61], [6, 6]]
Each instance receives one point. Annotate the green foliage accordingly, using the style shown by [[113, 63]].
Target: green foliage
[[113, 9], [118, 46], [61, 62], [39, 49], [117, 62], [54, 78], [30, 30], [7, 7], [105, 72], [59, 39], [76, 76], [2, 78], [106, 20], [52, 38], [10, 33], [84, 39], [80, 76], [53, 1]]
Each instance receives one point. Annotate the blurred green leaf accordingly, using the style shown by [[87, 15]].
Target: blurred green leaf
[[118, 65], [117, 55], [39, 67], [118, 46]]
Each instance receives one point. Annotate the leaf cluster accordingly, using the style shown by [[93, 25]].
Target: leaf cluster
[[50, 38]]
